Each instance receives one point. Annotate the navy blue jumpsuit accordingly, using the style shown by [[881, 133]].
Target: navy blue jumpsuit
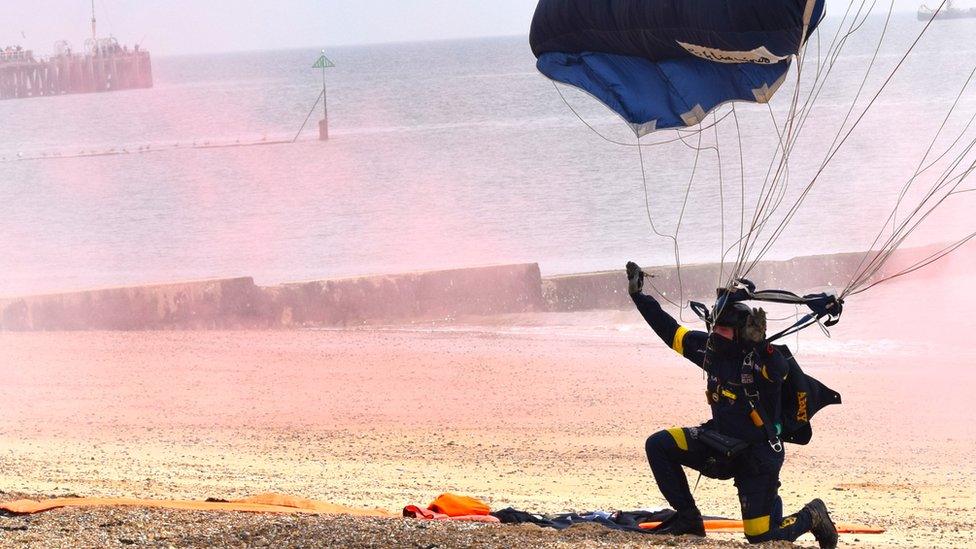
[[756, 469]]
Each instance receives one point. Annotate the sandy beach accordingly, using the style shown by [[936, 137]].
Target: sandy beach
[[360, 254], [543, 412]]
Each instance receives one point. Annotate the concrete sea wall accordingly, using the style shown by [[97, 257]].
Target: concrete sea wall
[[608, 290], [238, 303], [430, 295], [446, 295], [209, 304]]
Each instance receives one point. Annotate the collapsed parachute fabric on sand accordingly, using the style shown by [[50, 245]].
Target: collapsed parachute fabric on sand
[[667, 63]]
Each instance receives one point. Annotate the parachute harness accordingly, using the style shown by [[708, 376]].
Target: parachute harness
[[757, 412]]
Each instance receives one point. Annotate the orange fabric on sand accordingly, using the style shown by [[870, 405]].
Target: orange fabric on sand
[[454, 505], [735, 526], [263, 503], [413, 511]]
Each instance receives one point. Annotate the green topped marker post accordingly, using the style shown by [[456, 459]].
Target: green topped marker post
[[324, 63]]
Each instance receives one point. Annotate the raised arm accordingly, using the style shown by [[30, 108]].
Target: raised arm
[[687, 343]]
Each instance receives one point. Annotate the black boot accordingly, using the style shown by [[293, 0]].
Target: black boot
[[821, 526], [681, 523]]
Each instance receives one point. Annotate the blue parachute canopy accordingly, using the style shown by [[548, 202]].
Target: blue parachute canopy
[[667, 63]]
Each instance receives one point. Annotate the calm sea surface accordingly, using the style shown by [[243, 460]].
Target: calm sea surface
[[444, 154]]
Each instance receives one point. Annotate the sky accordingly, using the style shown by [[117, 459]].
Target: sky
[[194, 26]]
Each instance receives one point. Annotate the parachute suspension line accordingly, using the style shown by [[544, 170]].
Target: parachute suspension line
[[766, 201], [850, 32], [833, 43], [640, 150], [700, 128], [932, 201], [681, 214], [820, 58], [800, 60], [801, 56], [748, 234], [788, 140], [796, 318], [779, 185], [781, 179], [776, 184], [724, 281], [784, 150], [866, 283], [833, 53], [718, 154], [647, 207], [647, 200], [766, 205], [819, 79], [742, 183], [726, 250], [640, 146], [918, 171], [881, 89], [832, 153], [674, 237], [721, 206], [585, 123], [919, 265], [867, 73], [838, 48], [821, 64], [792, 139], [955, 141], [884, 255]]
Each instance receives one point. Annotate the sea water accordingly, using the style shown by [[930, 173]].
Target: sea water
[[448, 154]]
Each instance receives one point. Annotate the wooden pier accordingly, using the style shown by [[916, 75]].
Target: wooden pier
[[23, 76]]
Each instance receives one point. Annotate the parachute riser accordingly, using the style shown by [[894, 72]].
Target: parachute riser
[[822, 306]]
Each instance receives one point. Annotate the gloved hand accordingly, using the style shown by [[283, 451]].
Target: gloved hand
[[755, 329], [635, 278]]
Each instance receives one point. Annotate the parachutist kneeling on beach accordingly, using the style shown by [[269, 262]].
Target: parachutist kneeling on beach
[[744, 439]]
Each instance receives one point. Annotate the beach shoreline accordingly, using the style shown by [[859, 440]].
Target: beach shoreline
[[546, 413]]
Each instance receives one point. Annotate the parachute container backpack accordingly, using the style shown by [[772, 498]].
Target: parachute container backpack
[[667, 63], [803, 396]]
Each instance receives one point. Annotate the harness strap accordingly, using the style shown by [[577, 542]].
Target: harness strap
[[701, 310], [748, 380], [805, 322]]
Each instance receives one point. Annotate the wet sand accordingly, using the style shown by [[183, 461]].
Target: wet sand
[[544, 412]]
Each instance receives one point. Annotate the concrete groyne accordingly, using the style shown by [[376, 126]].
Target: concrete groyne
[[237, 303], [429, 295], [208, 304], [607, 289]]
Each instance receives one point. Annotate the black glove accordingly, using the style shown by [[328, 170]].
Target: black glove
[[635, 278]]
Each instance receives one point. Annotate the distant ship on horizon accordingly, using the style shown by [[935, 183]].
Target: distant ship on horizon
[[925, 13]]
